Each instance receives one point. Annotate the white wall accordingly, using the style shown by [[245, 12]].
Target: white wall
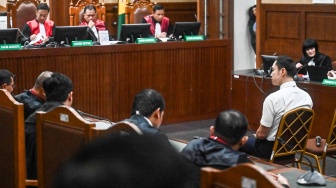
[[244, 57]]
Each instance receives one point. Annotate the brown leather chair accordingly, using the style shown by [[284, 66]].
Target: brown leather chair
[[12, 139], [234, 177], [59, 134], [21, 11], [136, 10], [76, 11]]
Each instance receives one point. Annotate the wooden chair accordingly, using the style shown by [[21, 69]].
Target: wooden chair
[[122, 127], [292, 136], [237, 176], [76, 11], [12, 139], [59, 134], [21, 11], [136, 10], [327, 148]]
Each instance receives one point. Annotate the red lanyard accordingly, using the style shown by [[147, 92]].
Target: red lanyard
[[216, 138]]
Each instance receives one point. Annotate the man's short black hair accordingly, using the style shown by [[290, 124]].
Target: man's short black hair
[[125, 161], [5, 77], [57, 87], [146, 102], [43, 6], [288, 64], [157, 7], [231, 125], [90, 7]]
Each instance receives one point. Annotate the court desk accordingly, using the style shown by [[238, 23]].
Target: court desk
[[193, 77], [250, 90]]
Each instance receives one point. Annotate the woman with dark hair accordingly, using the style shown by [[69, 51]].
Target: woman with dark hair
[[252, 11], [312, 57]]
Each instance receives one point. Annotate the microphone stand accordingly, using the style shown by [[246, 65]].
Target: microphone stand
[[310, 175]]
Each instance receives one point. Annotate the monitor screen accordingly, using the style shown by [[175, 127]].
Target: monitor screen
[[268, 61], [67, 34], [182, 29], [8, 36], [130, 32]]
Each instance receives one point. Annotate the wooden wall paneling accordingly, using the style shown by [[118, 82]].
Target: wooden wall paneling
[[180, 12], [59, 11], [111, 18], [193, 77], [284, 27]]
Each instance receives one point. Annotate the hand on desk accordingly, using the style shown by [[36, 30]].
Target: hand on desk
[[281, 179]]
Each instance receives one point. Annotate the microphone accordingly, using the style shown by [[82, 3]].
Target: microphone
[[318, 141], [311, 177], [200, 27], [25, 39], [296, 77], [93, 116]]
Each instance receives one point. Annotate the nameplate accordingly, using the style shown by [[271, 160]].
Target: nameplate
[[329, 82], [81, 43], [10, 47], [145, 40], [193, 38]]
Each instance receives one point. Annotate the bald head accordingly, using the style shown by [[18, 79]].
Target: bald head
[[40, 78]]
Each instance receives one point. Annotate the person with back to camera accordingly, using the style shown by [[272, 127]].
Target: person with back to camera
[[252, 26], [94, 24], [220, 150], [288, 97], [312, 57], [7, 80], [39, 28], [35, 97], [160, 25], [58, 90]]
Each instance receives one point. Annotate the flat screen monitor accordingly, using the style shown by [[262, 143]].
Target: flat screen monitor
[[268, 61], [67, 34], [8, 36], [181, 29], [130, 32]]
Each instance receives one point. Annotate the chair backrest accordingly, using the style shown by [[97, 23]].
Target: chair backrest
[[59, 134], [122, 127], [292, 135], [333, 65], [12, 139], [76, 11], [237, 176], [136, 10], [20, 12], [331, 139]]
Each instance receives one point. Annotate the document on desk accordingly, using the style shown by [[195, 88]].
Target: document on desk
[[38, 38]]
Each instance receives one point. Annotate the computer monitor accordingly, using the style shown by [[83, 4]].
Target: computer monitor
[[268, 61], [67, 34], [181, 29], [8, 36], [130, 32]]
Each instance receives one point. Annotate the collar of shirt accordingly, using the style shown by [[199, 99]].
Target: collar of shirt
[[149, 122], [288, 84]]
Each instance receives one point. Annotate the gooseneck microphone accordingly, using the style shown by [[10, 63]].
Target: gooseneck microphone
[[296, 77], [25, 38], [311, 177], [93, 116]]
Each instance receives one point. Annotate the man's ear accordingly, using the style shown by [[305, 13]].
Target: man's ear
[[243, 141], [212, 130]]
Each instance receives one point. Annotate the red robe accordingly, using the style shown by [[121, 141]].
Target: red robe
[[98, 23], [35, 28], [164, 24]]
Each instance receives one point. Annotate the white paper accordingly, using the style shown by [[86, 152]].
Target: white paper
[[324, 1], [37, 38], [103, 37], [3, 22], [102, 125]]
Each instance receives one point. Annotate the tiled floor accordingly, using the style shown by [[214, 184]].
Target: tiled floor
[[187, 131]]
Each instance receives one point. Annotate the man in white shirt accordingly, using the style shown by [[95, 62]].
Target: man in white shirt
[[275, 105]]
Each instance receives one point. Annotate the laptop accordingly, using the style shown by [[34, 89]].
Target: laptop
[[316, 73]]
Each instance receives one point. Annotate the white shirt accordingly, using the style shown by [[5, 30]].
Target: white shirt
[[42, 30], [157, 29], [94, 29], [276, 104]]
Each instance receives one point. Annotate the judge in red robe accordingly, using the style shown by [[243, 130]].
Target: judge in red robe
[[90, 20]]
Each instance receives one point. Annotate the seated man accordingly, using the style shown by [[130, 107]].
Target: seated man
[[35, 97], [220, 150], [147, 112], [94, 25], [275, 106], [160, 25], [58, 91], [7, 80], [39, 29]]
